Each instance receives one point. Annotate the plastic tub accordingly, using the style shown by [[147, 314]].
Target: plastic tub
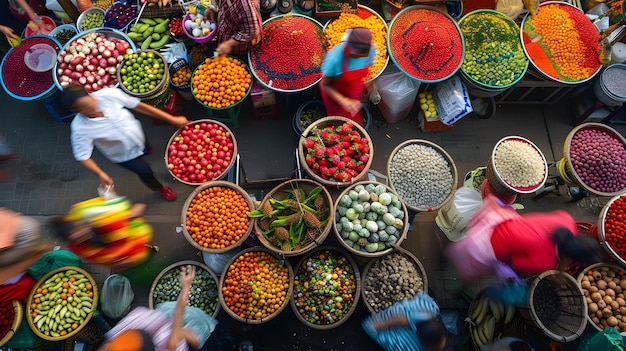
[[48, 22], [608, 87], [40, 57], [199, 40]]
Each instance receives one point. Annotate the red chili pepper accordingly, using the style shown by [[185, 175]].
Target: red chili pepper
[[615, 227], [176, 26]]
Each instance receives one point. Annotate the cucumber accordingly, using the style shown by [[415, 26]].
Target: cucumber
[[149, 21], [146, 43], [161, 42]]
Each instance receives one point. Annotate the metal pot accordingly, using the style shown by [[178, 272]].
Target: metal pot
[[306, 5], [285, 6], [268, 6]]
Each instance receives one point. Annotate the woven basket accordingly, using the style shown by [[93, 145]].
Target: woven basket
[[176, 266], [280, 193], [220, 183], [516, 328], [208, 121], [569, 168], [289, 291], [443, 153], [367, 272], [601, 233], [563, 292], [499, 184], [334, 121], [403, 231], [174, 9], [29, 302], [357, 293], [596, 267], [17, 320], [92, 333]]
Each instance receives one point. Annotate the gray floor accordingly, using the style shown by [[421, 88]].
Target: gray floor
[[45, 181]]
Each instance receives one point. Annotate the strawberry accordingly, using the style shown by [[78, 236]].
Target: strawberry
[[324, 170], [331, 171], [346, 138], [351, 165], [341, 176], [346, 159], [310, 160], [344, 128], [351, 172], [364, 158], [330, 151], [345, 145], [323, 162], [360, 167], [349, 152], [320, 151], [309, 143]]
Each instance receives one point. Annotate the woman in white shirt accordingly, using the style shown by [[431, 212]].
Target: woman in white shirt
[[103, 120]]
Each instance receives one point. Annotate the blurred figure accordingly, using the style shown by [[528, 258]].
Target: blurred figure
[[239, 25], [343, 74], [170, 326], [507, 344], [25, 11], [106, 232], [502, 243], [21, 245], [409, 325], [104, 120]]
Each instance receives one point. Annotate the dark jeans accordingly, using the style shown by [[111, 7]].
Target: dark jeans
[[143, 170]]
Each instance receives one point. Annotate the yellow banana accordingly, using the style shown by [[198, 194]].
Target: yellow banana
[[476, 336], [483, 313], [478, 307], [496, 309], [509, 314], [490, 327]]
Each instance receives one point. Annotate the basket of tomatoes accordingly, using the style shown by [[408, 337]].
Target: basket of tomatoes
[[11, 313], [255, 286]]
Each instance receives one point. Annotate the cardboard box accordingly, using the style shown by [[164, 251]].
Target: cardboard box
[[429, 125]]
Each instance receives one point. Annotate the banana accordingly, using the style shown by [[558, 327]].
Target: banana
[[510, 313], [481, 334], [476, 337], [490, 327], [483, 313], [478, 307], [496, 309]]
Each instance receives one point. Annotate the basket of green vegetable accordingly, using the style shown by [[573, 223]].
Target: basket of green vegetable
[[370, 219], [294, 217], [203, 293], [64, 33]]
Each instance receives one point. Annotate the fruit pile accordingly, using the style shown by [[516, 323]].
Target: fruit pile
[[336, 29], [201, 152], [426, 44], [7, 313], [202, 295], [92, 20], [337, 152], [494, 54], [221, 82], [119, 15], [176, 27], [61, 303], [488, 317], [427, 104], [569, 42], [292, 218], [197, 26], [142, 72], [151, 33], [18, 78], [182, 77], [291, 55], [217, 217], [255, 285], [614, 226], [325, 287]]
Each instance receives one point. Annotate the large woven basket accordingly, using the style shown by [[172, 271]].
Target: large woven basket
[[367, 271], [499, 184], [220, 183], [176, 266], [366, 254], [569, 168], [601, 231], [516, 328], [17, 320], [92, 333], [289, 291], [357, 293], [564, 294], [29, 302], [334, 121], [443, 153], [594, 268], [310, 241]]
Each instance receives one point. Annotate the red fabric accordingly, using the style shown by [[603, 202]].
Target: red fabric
[[524, 243], [19, 290], [486, 190], [350, 84]]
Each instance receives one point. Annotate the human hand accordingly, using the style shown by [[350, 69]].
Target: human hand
[[225, 47], [8, 32], [106, 182], [180, 121], [353, 106], [187, 275]]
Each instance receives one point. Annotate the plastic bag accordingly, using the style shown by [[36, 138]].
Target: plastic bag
[[511, 8], [116, 296], [452, 219], [397, 95], [532, 6], [452, 100], [608, 339], [217, 262], [193, 318]]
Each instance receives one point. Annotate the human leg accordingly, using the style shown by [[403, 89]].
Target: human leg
[[143, 170]]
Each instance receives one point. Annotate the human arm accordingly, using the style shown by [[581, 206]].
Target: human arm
[[226, 47], [8, 32], [29, 10], [187, 275], [91, 165], [351, 105], [149, 110]]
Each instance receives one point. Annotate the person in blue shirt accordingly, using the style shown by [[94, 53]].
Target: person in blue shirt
[[343, 74], [409, 325]]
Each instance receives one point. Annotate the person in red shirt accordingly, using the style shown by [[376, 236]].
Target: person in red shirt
[[502, 243]]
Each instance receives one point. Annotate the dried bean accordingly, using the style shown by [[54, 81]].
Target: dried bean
[[519, 163]]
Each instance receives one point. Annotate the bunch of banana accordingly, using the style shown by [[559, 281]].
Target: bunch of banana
[[485, 316]]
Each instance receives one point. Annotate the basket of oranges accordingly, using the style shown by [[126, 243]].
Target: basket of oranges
[[221, 82], [181, 72]]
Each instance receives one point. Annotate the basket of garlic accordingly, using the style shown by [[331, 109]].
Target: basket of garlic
[[198, 28]]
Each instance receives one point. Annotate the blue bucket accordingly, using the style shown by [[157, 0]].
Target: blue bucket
[[43, 95]]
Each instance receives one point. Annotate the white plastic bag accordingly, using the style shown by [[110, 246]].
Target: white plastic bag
[[452, 218], [397, 95], [452, 100], [511, 8], [116, 297], [194, 319], [217, 262]]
